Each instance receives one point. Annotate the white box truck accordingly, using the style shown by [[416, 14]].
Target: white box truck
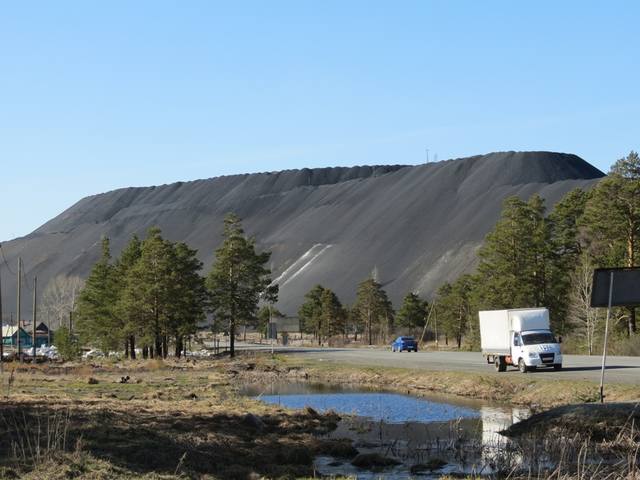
[[519, 337]]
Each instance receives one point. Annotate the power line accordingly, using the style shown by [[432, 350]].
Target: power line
[[5, 261], [23, 278]]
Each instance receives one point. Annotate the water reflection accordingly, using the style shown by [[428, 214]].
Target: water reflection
[[415, 430], [498, 418], [386, 407]]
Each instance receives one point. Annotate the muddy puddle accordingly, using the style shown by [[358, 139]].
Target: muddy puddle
[[428, 436]]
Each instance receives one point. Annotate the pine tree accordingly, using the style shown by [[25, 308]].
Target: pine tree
[[374, 309], [94, 314], [612, 219], [514, 259], [540, 255], [148, 292], [310, 313], [238, 277], [332, 313], [413, 313], [565, 250], [153, 294], [189, 296], [455, 310], [444, 311], [127, 323], [322, 313], [353, 322]]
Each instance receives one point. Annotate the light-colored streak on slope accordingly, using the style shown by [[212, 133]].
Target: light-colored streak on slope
[[304, 267], [299, 261]]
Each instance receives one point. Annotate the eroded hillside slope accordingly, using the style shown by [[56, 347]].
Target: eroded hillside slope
[[415, 227]]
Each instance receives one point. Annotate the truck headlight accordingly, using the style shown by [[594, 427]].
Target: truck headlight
[[533, 355]]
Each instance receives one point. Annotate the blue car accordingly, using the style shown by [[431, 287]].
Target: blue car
[[404, 343]]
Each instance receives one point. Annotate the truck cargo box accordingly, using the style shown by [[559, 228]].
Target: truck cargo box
[[529, 319], [496, 327]]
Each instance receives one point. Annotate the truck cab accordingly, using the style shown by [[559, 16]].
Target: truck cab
[[535, 348]]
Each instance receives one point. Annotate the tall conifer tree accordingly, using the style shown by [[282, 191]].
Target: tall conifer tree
[[94, 314], [413, 312], [374, 308], [238, 278], [612, 218], [127, 323], [514, 258], [310, 312]]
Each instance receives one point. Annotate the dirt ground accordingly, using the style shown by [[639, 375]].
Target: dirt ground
[[174, 419]]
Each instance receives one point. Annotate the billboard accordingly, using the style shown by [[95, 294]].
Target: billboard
[[288, 324], [626, 287]]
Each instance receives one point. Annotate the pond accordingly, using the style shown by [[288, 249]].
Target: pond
[[458, 436]]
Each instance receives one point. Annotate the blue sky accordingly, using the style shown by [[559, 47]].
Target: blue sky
[[101, 95]]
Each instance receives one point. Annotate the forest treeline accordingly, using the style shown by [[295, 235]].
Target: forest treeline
[[532, 258], [538, 258], [153, 296]]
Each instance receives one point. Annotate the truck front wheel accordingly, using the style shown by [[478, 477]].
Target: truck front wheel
[[522, 366], [501, 365]]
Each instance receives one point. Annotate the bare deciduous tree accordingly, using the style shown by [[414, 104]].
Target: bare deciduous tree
[[581, 315], [59, 298]]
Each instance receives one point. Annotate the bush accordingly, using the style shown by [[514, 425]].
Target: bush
[[67, 343], [625, 346]]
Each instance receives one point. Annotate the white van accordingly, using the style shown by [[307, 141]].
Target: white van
[[519, 337]]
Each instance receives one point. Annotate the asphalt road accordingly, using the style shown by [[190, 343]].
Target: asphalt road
[[575, 367]]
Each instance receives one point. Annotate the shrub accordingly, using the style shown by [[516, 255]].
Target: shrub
[[625, 346], [67, 343]]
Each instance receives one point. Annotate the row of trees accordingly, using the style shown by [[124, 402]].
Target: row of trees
[[153, 296], [372, 315], [535, 259]]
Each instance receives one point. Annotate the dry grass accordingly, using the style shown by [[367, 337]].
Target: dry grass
[[170, 419]]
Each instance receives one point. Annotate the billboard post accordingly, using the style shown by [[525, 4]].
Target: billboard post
[[625, 294], [606, 335]]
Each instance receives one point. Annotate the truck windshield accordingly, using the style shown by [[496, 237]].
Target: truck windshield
[[537, 338]]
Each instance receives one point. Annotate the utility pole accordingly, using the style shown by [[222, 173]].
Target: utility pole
[[270, 328], [18, 306], [435, 325], [35, 315], [426, 324]]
